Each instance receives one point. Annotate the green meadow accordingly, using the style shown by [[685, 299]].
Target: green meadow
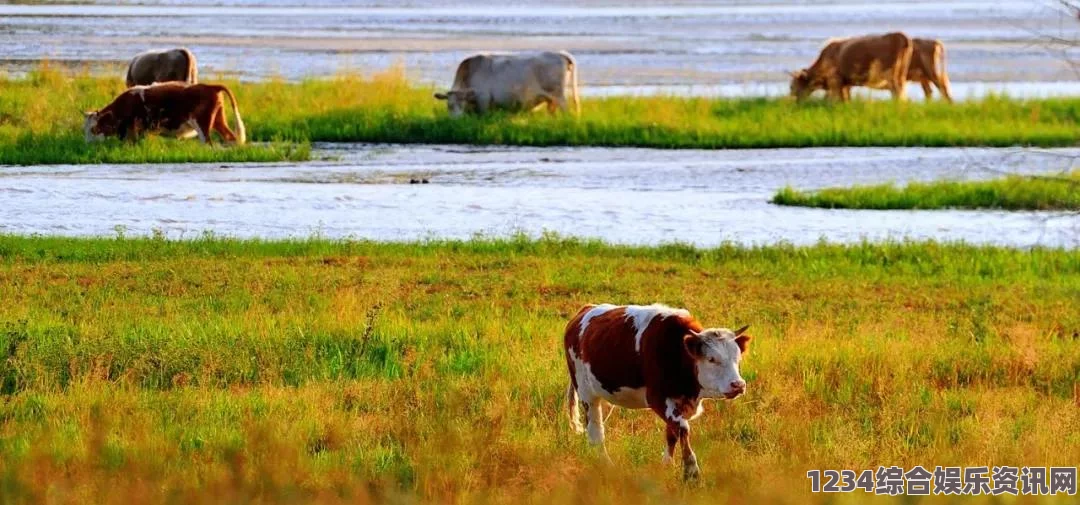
[[1014, 192], [40, 121], [314, 371]]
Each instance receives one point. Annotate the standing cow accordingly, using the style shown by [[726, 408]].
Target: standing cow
[[652, 357], [873, 61], [928, 66], [513, 82], [162, 65]]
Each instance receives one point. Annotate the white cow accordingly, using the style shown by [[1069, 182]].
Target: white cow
[[513, 82], [162, 65]]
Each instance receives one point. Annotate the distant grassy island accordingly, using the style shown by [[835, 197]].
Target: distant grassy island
[[1014, 192], [41, 121]]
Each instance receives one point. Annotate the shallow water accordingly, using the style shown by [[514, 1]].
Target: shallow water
[[637, 196], [723, 47]]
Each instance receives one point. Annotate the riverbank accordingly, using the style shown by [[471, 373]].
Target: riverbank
[[41, 121]]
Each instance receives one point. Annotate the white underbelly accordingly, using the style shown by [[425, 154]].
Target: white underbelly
[[629, 398]]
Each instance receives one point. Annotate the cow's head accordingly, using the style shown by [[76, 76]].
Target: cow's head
[[801, 84], [459, 101], [717, 352], [96, 125]]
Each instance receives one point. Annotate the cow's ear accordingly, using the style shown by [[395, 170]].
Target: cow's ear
[[743, 341], [441, 96], [694, 344]]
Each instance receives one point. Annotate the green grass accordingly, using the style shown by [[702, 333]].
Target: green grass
[[45, 108], [315, 371], [1013, 192], [41, 123]]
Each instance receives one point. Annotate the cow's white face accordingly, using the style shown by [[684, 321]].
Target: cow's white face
[[90, 129], [718, 352], [458, 102]]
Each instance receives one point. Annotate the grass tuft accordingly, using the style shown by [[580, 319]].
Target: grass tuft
[[1015, 192]]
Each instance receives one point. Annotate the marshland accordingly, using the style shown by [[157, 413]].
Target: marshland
[[366, 303]]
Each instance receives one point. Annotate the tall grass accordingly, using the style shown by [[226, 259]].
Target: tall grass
[[213, 370], [41, 123], [387, 108], [1014, 192]]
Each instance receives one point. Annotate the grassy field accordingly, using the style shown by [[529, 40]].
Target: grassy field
[[45, 110], [1013, 192], [220, 371]]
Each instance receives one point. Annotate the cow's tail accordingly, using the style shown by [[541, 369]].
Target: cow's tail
[[573, 408], [572, 66], [192, 67], [939, 69], [241, 131], [907, 51]]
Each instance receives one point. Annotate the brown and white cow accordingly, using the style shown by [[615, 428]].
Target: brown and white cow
[[653, 357], [166, 107], [873, 61], [513, 82], [928, 66], [162, 65]]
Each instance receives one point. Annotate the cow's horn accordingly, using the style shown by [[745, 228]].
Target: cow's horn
[[742, 330]]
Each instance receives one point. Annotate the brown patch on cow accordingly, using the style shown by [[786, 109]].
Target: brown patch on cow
[[611, 336], [671, 372]]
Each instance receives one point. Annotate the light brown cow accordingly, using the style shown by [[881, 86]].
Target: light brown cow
[[513, 82], [928, 66], [873, 61], [166, 107], [649, 357], [162, 65]]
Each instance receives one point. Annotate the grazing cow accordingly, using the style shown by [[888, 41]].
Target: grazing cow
[[162, 65], [166, 107], [513, 82], [873, 61], [652, 357], [928, 66]]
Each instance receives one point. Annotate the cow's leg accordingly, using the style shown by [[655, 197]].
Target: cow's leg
[[206, 126], [556, 103], [595, 421], [926, 89], [594, 424], [942, 84], [671, 436], [197, 129], [691, 470], [222, 127], [899, 89], [845, 94]]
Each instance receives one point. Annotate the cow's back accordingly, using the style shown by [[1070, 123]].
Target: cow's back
[[871, 59], [159, 66], [624, 345]]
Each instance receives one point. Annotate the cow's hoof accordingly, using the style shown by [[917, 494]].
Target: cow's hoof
[[691, 473], [667, 459]]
